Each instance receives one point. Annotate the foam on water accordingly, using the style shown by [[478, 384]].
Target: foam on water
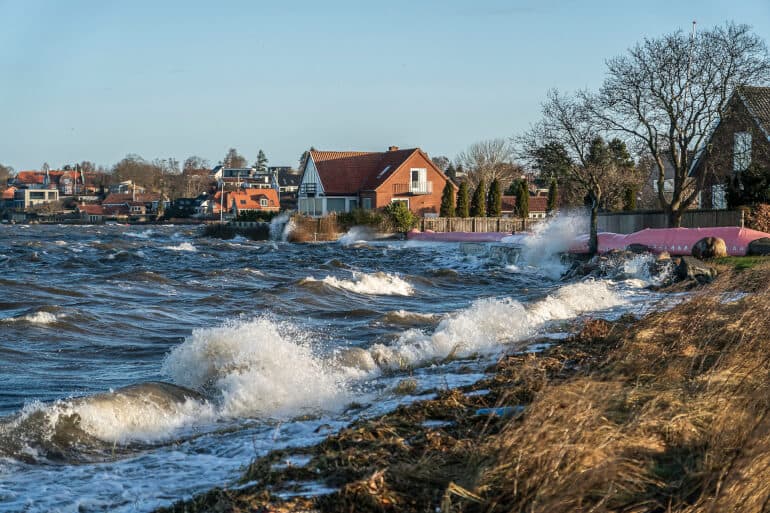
[[542, 249], [280, 227], [35, 318], [487, 323], [383, 284], [184, 246], [356, 234], [257, 367]]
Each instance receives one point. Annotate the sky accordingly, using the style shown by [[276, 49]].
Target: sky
[[97, 80]]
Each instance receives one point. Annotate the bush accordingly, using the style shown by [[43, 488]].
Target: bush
[[478, 201], [253, 216], [462, 209], [448, 200], [494, 200], [759, 218], [401, 218], [359, 217]]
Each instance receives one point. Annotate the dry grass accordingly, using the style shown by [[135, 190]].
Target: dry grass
[[666, 414]]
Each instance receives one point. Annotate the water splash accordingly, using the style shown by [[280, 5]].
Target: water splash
[[383, 284], [281, 227]]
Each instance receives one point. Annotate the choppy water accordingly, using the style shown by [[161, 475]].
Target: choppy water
[[141, 365]]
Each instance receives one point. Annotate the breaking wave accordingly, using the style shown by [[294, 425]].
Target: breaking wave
[[257, 367], [35, 318], [487, 323], [379, 283]]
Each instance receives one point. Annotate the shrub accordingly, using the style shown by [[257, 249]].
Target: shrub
[[359, 217], [495, 200], [759, 218], [400, 216]]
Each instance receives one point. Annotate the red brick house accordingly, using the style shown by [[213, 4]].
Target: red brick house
[[741, 138], [340, 181]]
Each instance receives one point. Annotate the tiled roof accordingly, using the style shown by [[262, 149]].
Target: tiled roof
[[757, 100], [30, 177], [92, 210], [536, 203], [9, 193], [348, 172], [247, 199]]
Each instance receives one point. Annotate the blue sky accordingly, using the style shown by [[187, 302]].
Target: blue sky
[[96, 80]]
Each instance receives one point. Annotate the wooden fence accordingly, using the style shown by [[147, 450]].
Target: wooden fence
[[629, 222], [477, 224]]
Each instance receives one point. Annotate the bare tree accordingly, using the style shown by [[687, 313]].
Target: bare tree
[[667, 94], [567, 121], [489, 160], [5, 173]]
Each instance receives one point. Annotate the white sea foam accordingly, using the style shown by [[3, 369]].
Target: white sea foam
[[487, 323], [542, 249], [146, 234], [35, 318], [357, 234], [280, 227], [257, 367], [379, 283], [184, 246]]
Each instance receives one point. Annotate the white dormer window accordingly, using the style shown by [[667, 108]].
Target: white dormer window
[[263, 202], [741, 151]]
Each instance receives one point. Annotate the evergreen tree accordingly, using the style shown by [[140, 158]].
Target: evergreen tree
[[553, 197], [495, 200], [451, 172], [629, 198], [400, 216], [478, 201], [261, 163], [522, 200], [462, 209], [448, 200]]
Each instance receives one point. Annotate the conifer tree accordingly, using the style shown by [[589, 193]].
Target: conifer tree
[[448, 200], [522, 200], [261, 163], [494, 199], [553, 197], [478, 202], [451, 172], [462, 201]]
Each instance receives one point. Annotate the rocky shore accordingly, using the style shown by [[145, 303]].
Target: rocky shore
[[670, 412]]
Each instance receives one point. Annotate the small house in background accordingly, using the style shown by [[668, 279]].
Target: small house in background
[[537, 206], [340, 181], [741, 138], [230, 204]]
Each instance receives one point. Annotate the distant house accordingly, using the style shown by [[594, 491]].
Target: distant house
[[288, 184], [91, 214], [741, 137], [137, 203], [340, 181], [240, 201], [538, 206]]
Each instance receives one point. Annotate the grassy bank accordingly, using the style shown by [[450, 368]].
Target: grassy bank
[[667, 413]]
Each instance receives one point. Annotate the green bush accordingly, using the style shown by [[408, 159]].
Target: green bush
[[253, 216], [447, 200], [478, 201], [462, 209], [359, 217], [401, 218]]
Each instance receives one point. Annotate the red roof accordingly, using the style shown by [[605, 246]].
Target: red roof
[[92, 210], [9, 193], [536, 203], [247, 199], [348, 172], [30, 177]]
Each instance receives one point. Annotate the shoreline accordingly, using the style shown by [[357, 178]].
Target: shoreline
[[611, 417]]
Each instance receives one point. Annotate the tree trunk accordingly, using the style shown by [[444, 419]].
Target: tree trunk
[[674, 217], [593, 238]]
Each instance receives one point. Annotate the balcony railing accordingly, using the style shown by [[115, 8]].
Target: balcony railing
[[413, 188], [308, 189]]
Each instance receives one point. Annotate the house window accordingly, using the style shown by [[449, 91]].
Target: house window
[[263, 202], [403, 200], [741, 151], [335, 204], [243, 202], [352, 205], [419, 182], [366, 203], [718, 199]]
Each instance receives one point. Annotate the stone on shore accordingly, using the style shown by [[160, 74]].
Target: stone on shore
[[709, 247], [759, 247], [690, 268]]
